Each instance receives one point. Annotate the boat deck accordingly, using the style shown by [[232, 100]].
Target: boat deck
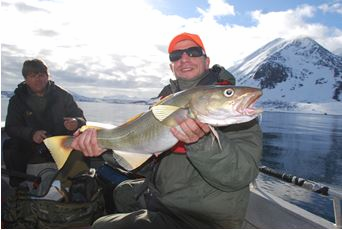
[[267, 211]]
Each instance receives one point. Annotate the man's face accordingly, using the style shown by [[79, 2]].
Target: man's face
[[37, 82], [188, 67]]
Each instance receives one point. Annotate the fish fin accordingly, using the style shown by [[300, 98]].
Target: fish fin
[[161, 112], [162, 100], [134, 118], [84, 127], [214, 132], [130, 160], [260, 117], [59, 147]]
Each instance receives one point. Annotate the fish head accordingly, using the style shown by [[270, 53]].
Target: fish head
[[225, 105]]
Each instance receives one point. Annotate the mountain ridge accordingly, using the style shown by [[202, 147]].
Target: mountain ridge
[[291, 72], [115, 99]]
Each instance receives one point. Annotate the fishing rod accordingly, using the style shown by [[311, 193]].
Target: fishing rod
[[311, 186], [307, 184]]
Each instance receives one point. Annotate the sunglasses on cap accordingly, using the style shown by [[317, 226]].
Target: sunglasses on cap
[[195, 51]]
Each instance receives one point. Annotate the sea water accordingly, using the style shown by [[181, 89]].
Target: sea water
[[307, 146], [304, 145]]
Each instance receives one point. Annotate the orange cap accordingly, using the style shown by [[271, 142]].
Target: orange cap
[[185, 36]]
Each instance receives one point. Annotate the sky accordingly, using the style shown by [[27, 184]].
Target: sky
[[100, 48]]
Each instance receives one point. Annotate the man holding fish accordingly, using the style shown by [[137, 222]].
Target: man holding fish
[[203, 180]]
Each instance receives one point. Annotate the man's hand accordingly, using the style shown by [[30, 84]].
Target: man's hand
[[39, 136], [86, 142], [70, 123], [192, 131]]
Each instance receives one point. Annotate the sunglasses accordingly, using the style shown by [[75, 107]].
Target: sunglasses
[[191, 52]]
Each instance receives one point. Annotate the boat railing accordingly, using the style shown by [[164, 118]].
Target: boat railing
[[334, 195]]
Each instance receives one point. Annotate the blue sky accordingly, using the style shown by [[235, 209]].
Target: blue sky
[[104, 47], [244, 7]]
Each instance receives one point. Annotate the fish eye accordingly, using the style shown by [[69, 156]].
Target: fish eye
[[228, 92]]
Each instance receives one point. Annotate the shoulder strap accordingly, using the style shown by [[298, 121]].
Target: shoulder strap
[[165, 91], [223, 75]]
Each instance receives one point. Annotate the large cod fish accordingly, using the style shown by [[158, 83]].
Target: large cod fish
[[149, 133]]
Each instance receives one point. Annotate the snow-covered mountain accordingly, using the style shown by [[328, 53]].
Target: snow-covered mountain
[[292, 73], [338, 51], [6, 94], [116, 99]]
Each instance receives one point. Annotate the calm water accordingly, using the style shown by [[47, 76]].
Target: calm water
[[305, 145], [308, 146]]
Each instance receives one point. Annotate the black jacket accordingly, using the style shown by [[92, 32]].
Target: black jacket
[[22, 121]]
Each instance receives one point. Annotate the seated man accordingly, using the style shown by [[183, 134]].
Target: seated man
[[38, 109]]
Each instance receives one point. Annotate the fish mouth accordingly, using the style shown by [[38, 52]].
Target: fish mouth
[[247, 105]]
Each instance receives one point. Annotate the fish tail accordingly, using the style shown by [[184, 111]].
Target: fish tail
[[60, 149]]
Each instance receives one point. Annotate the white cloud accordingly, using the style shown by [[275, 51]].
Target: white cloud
[[331, 8], [285, 23], [108, 46], [293, 23], [217, 8]]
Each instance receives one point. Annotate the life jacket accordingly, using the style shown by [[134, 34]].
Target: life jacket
[[217, 75]]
